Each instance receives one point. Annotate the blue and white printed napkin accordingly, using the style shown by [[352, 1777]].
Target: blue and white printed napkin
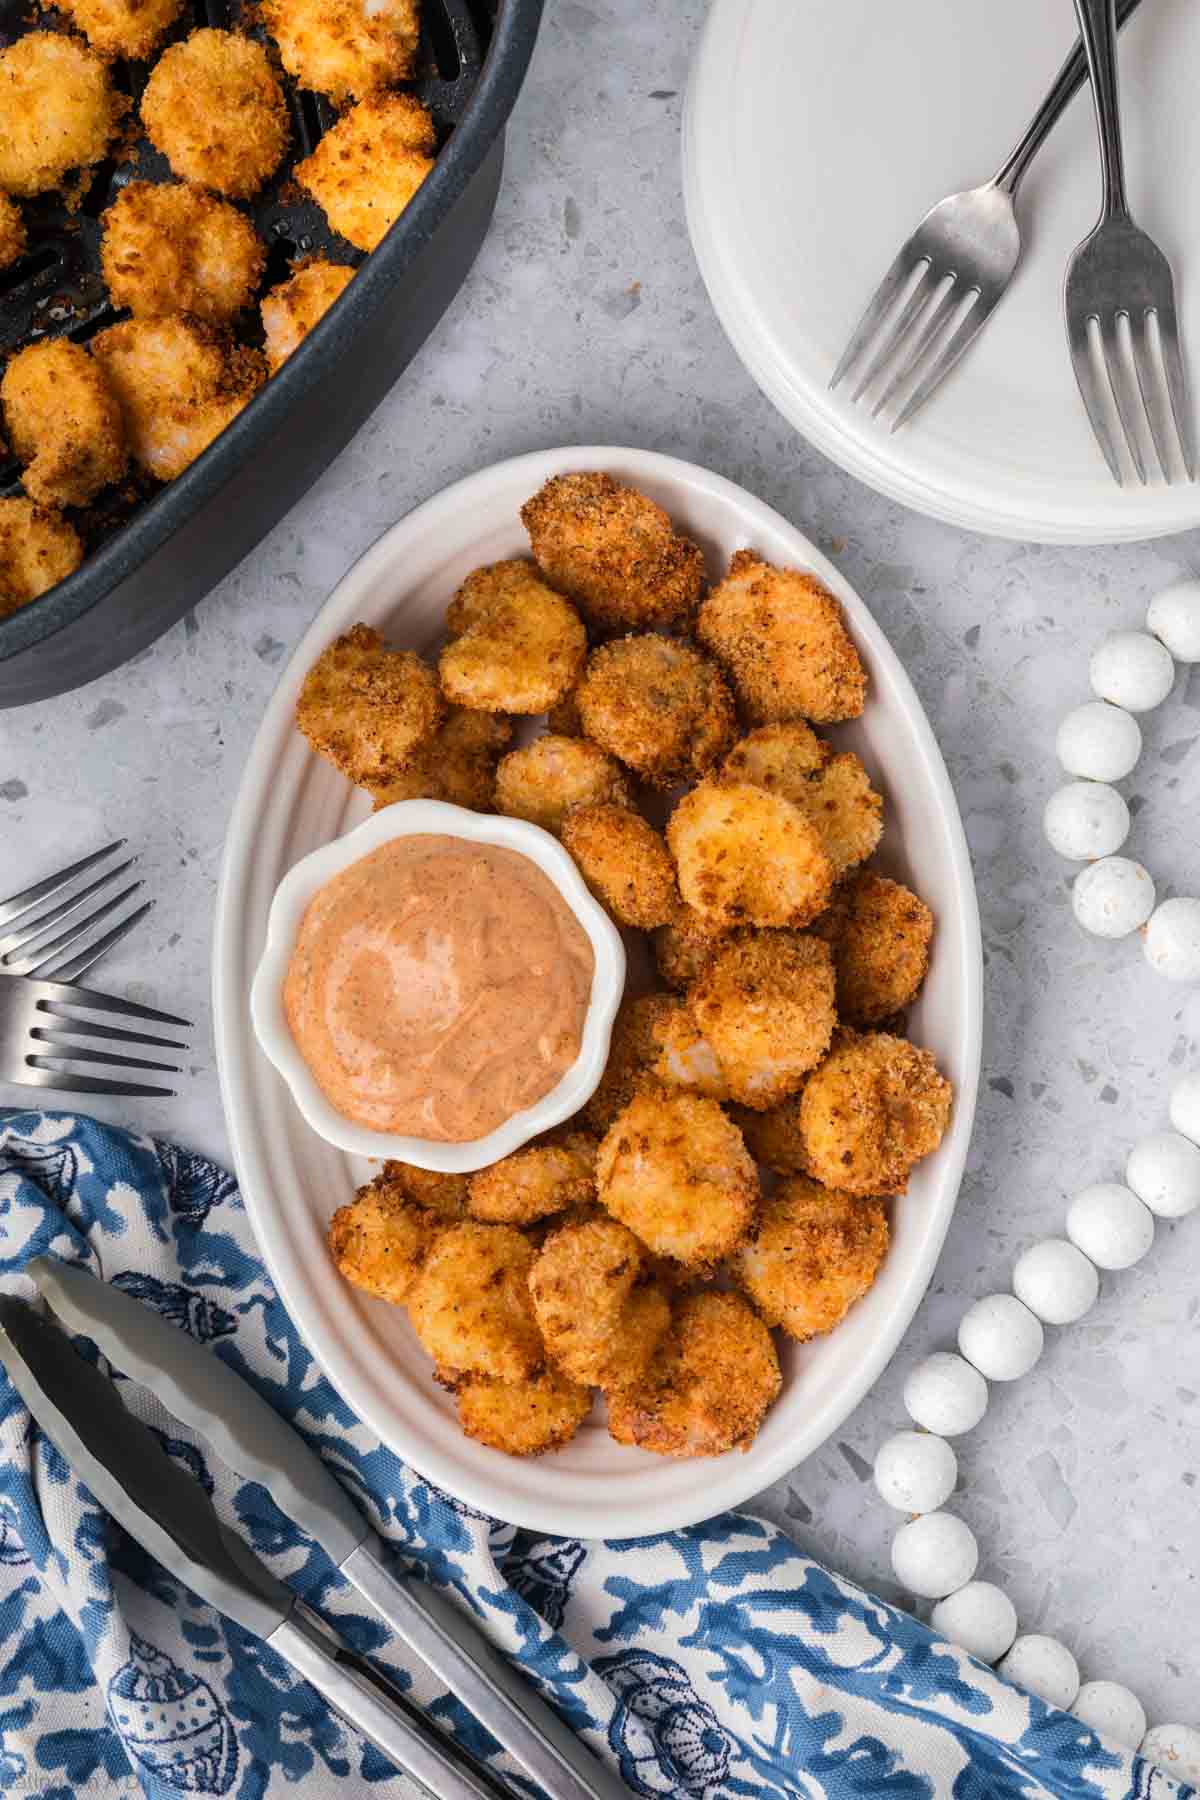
[[716, 1663]]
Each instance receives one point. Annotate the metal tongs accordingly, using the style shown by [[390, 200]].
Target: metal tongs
[[165, 1510]]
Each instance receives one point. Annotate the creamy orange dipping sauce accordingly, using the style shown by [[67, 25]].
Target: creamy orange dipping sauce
[[437, 987]]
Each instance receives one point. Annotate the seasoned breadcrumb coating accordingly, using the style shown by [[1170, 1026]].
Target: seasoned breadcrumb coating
[[214, 107], [126, 28], [444, 1195], [676, 1171], [880, 932], [516, 646], [470, 1304], [683, 948], [345, 48], [563, 718], [536, 1181], [814, 1253], [614, 551], [632, 1053], [168, 248], [63, 422], [545, 779], [782, 758], [600, 1314], [456, 764], [380, 1241], [364, 172], [366, 708], [290, 310], [13, 236], [179, 382], [58, 108], [833, 791], [37, 549], [522, 1418], [708, 1390], [765, 1004], [774, 1138], [745, 856], [659, 706], [686, 1059], [782, 640], [624, 861], [873, 1109]]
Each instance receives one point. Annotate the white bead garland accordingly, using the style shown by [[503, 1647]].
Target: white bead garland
[[1086, 819], [1164, 1171], [980, 1618], [1111, 1710], [1056, 1281], [1043, 1666], [1112, 1227], [1172, 942], [1174, 618], [1099, 742], [945, 1394], [1133, 670], [1185, 1106], [1112, 897], [916, 1471], [1001, 1337], [1175, 1748], [934, 1554]]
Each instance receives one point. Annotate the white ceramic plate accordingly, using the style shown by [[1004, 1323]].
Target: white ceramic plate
[[817, 135], [290, 802]]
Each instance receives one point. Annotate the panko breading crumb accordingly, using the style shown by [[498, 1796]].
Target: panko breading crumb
[[179, 382], [833, 791], [214, 107], [625, 863], [534, 1182], [709, 1389], [632, 1053], [364, 172], [814, 1253], [880, 933], [542, 781], [13, 236], [59, 108], [782, 640], [127, 28], [614, 551], [873, 1109], [522, 1418], [37, 549], [745, 856], [457, 764], [682, 948], [63, 422], [470, 1304], [169, 248], [774, 1138], [444, 1195], [686, 1059], [600, 1315], [366, 708], [516, 645], [765, 1004], [380, 1241], [345, 48], [290, 310], [659, 706], [676, 1171]]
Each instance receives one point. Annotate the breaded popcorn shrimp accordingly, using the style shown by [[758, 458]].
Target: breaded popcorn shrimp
[[880, 933], [214, 107], [614, 551], [631, 1056], [516, 646], [625, 863], [781, 638], [345, 48], [290, 310], [745, 856], [37, 550], [709, 1388], [365, 171], [13, 236], [600, 1315], [366, 708], [444, 1195], [379, 1242], [522, 1418], [765, 1003], [686, 1059], [676, 1171], [545, 779], [179, 383], [127, 28], [470, 1304], [833, 791], [814, 1253], [873, 1109], [169, 248], [682, 948], [63, 421], [59, 111], [774, 1138], [457, 764], [658, 705], [535, 1181]]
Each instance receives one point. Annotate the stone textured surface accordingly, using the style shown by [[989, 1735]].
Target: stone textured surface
[[585, 321]]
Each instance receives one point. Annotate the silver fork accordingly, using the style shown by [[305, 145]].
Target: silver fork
[[47, 1027], [947, 279], [26, 949], [1120, 298]]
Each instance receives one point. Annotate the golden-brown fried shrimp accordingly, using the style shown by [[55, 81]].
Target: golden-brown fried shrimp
[[709, 1389], [625, 863], [443, 1195], [516, 646], [457, 764], [63, 422], [774, 1138], [344, 48], [686, 1059], [781, 758], [214, 107], [380, 1241], [783, 642], [880, 932], [614, 551], [545, 779], [600, 1315], [632, 1053], [563, 718], [128, 28], [179, 383], [765, 1004], [658, 705], [683, 948], [366, 708], [745, 856], [470, 1305], [169, 248], [833, 791], [365, 171], [534, 1182], [873, 1109], [59, 109], [290, 310], [676, 1171], [13, 236], [522, 1418], [37, 549], [815, 1252]]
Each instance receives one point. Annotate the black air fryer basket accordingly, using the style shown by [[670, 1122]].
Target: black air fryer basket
[[153, 552]]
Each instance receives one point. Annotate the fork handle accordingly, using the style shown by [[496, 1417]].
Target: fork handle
[[1098, 29], [1066, 85]]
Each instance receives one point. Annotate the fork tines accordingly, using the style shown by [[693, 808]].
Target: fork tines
[[48, 1028], [35, 945], [1133, 384]]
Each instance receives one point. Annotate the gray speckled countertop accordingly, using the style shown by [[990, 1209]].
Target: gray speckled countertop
[[585, 321]]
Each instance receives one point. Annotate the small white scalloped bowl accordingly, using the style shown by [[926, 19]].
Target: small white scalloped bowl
[[411, 818]]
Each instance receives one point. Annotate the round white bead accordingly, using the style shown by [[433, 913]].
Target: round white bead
[[1056, 1281], [1133, 670], [934, 1554], [1099, 742], [1185, 1106], [1172, 942], [1001, 1337], [1164, 1171], [1174, 616], [1112, 897], [1085, 820], [1112, 1710], [1176, 1750], [1110, 1225], [1043, 1666], [980, 1618], [915, 1472], [945, 1394]]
